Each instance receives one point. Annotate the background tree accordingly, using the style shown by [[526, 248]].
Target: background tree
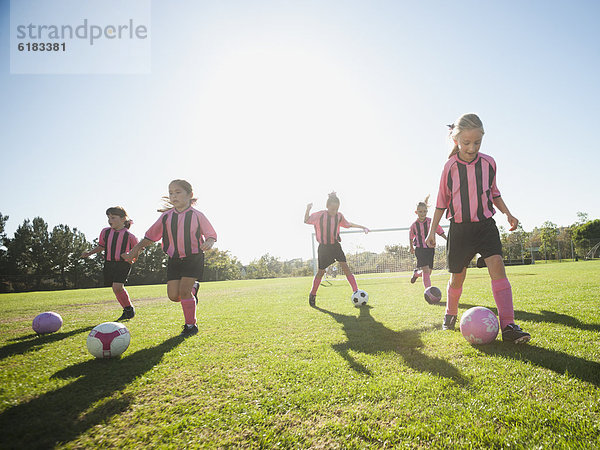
[[19, 250], [265, 267], [66, 246], [4, 281], [41, 264], [515, 244], [586, 235], [221, 265], [548, 238]]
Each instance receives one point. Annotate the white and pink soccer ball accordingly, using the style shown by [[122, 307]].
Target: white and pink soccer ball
[[47, 322], [109, 339], [479, 325]]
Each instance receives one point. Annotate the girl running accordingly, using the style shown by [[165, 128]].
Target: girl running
[[186, 234], [116, 240], [327, 229], [417, 235], [469, 193]]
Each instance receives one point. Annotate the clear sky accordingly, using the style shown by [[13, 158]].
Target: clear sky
[[265, 106]]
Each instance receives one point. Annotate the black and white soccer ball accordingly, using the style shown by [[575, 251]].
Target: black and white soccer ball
[[359, 298]]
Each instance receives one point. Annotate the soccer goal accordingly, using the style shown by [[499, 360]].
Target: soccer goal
[[383, 250]]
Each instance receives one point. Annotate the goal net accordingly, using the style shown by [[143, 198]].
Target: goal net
[[385, 250]]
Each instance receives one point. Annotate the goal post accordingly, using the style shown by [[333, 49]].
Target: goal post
[[382, 250]]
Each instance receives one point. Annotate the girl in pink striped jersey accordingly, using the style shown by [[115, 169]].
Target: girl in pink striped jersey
[[186, 234], [468, 192], [418, 235], [116, 240], [327, 225]]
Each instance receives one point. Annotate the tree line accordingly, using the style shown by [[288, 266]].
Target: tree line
[[552, 242], [37, 258]]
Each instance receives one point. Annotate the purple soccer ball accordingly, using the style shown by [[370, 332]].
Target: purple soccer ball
[[432, 295], [479, 325], [47, 322]]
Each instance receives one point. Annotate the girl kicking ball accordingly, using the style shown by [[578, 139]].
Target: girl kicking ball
[[468, 192], [327, 225]]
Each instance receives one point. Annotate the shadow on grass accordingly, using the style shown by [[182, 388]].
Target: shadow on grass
[[34, 341], [547, 316], [366, 335], [559, 362], [61, 415]]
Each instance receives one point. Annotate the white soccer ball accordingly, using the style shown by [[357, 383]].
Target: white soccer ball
[[109, 339], [359, 298]]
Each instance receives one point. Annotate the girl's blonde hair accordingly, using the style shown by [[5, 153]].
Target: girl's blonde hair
[[120, 211], [424, 203], [186, 186], [332, 198], [464, 122]]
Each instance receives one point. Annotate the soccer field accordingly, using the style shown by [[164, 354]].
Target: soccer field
[[266, 370]]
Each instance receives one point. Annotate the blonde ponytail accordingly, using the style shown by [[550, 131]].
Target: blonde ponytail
[[424, 203]]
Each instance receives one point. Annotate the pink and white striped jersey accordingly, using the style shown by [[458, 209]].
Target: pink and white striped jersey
[[419, 230], [116, 243], [182, 233], [327, 228], [467, 190]]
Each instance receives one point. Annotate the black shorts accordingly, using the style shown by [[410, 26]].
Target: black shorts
[[191, 266], [424, 256], [330, 253], [115, 272], [465, 240]]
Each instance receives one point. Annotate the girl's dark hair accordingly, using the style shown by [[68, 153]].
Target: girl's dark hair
[[120, 211], [186, 186], [333, 198]]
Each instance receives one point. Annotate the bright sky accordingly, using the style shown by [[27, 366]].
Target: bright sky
[[265, 106]]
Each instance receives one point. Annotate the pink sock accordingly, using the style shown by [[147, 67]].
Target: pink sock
[[123, 298], [352, 282], [189, 310], [426, 279], [503, 297], [453, 298], [316, 283]]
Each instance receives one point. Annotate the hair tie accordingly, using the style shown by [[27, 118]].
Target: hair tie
[[451, 126]]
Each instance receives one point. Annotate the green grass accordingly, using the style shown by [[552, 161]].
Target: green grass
[[266, 370]]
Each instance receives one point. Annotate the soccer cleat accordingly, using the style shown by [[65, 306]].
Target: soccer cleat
[[128, 313], [195, 290], [189, 330], [414, 277], [512, 333], [312, 299], [449, 322]]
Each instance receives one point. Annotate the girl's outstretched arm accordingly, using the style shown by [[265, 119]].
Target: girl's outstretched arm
[[435, 221], [307, 213], [132, 255], [512, 220], [355, 225], [93, 251]]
